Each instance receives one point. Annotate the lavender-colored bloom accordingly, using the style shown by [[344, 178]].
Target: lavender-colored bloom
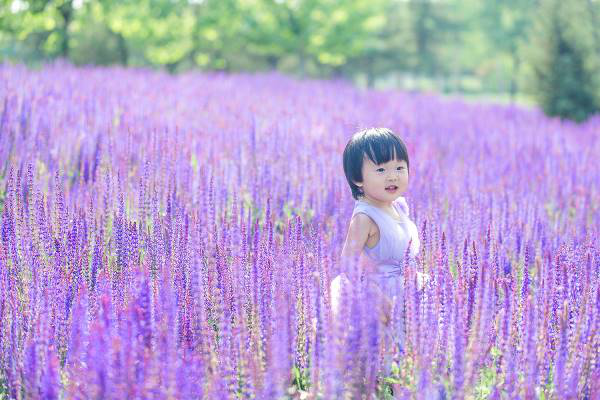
[[458, 362], [526, 265], [51, 385], [561, 356], [210, 280], [31, 368], [530, 351]]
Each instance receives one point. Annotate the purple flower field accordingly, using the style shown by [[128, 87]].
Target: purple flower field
[[174, 237]]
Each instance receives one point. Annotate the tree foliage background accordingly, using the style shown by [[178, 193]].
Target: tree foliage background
[[471, 47], [563, 63]]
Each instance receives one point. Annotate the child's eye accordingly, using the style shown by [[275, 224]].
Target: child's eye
[[400, 167], [380, 170]]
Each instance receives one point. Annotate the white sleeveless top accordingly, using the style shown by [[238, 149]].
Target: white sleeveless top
[[394, 236]]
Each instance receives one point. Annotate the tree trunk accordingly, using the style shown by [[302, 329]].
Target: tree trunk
[[66, 11], [302, 63], [513, 77], [272, 61], [370, 73], [421, 33], [337, 72], [123, 51]]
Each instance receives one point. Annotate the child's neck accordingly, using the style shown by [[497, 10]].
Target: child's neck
[[377, 203]]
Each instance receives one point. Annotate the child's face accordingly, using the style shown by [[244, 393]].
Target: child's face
[[376, 178]]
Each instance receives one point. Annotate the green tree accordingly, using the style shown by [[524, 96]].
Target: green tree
[[386, 46], [94, 37], [505, 25], [434, 25], [56, 17], [564, 65], [33, 30], [217, 41], [309, 36], [133, 32]]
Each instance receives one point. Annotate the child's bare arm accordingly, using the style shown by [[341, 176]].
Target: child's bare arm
[[358, 233]]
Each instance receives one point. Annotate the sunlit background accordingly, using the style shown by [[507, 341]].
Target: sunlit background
[[521, 51]]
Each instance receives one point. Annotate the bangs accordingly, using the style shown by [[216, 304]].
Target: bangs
[[382, 149], [381, 145]]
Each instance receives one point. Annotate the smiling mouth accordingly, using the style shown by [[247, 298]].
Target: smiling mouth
[[391, 188]]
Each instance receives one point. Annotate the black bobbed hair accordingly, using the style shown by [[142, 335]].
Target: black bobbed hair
[[379, 144]]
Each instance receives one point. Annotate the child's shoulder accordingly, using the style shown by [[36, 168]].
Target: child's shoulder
[[362, 221], [363, 212]]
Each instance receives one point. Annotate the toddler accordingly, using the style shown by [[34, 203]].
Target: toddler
[[376, 166]]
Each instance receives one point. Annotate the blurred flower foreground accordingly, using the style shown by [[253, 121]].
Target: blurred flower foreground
[[175, 236]]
